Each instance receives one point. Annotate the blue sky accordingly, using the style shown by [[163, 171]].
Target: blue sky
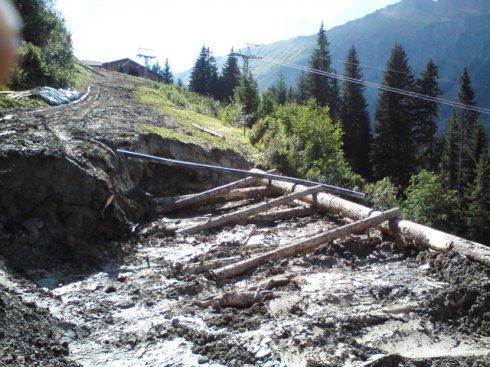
[[105, 30]]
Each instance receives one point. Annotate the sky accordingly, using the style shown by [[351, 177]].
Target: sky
[[106, 30]]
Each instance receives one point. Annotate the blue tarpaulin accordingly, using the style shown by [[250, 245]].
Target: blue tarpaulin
[[57, 97]]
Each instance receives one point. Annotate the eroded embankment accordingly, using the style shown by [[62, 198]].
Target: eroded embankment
[[65, 192]]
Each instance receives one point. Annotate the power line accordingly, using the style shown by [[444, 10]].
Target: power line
[[373, 85], [402, 72]]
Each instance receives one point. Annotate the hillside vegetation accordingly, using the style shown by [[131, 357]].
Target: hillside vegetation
[[190, 108]]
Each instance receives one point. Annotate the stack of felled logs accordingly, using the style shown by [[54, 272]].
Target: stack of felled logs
[[281, 193]]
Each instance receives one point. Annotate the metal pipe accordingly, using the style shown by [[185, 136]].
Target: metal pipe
[[269, 176]]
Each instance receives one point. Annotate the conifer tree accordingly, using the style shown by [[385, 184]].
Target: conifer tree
[[156, 68], [302, 94], [467, 120], [478, 214], [321, 87], [281, 90], [230, 78], [278, 93], [248, 97], [167, 75], [291, 95], [355, 118], [204, 75], [392, 148], [425, 128], [477, 146], [450, 152]]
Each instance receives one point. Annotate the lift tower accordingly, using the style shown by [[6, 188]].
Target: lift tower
[[147, 54]]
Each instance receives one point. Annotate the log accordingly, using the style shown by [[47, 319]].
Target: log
[[302, 211], [304, 246], [243, 298], [164, 205], [198, 268], [421, 235], [249, 295], [277, 281], [208, 131], [243, 214]]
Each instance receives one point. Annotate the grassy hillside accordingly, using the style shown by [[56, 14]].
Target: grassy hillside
[[189, 108]]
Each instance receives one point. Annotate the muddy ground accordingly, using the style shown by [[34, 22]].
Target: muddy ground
[[142, 299]]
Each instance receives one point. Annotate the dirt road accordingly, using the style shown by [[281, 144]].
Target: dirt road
[[144, 301]]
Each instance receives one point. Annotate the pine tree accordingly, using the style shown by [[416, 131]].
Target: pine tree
[[392, 149], [467, 120], [278, 94], [167, 75], [302, 94], [321, 87], [477, 146], [248, 97], [281, 90], [156, 68], [425, 129], [450, 153], [355, 118], [204, 75], [230, 78], [478, 214], [291, 95]]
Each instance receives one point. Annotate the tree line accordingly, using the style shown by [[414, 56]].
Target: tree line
[[321, 129]]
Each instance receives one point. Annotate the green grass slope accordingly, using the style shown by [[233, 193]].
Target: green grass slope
[[189, 109]]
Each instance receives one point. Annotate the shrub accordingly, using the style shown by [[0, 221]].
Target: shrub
[[47, 55], [301, 140], [382, 195], [429, 202]]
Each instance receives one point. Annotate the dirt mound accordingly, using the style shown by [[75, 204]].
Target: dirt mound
[[27, 336], [465, 303]]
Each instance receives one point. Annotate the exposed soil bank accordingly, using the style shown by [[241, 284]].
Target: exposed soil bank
[[64, 190]]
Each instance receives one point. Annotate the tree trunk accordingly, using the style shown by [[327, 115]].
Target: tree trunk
[[284, 214], [422, 235], [305, 246], [208, 131], [243, 214], [249, 295], [164, 205], [174, 203]]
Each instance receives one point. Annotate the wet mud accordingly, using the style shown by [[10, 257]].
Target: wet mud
[[353, 302]]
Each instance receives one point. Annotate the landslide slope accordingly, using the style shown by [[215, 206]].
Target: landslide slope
[[65, 190]]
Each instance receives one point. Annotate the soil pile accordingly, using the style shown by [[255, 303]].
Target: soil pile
[[27, 335]]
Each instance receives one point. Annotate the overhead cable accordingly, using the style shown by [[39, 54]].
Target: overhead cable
[[372, 84]]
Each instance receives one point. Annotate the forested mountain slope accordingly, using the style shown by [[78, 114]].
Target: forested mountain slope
[[454, 33]]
